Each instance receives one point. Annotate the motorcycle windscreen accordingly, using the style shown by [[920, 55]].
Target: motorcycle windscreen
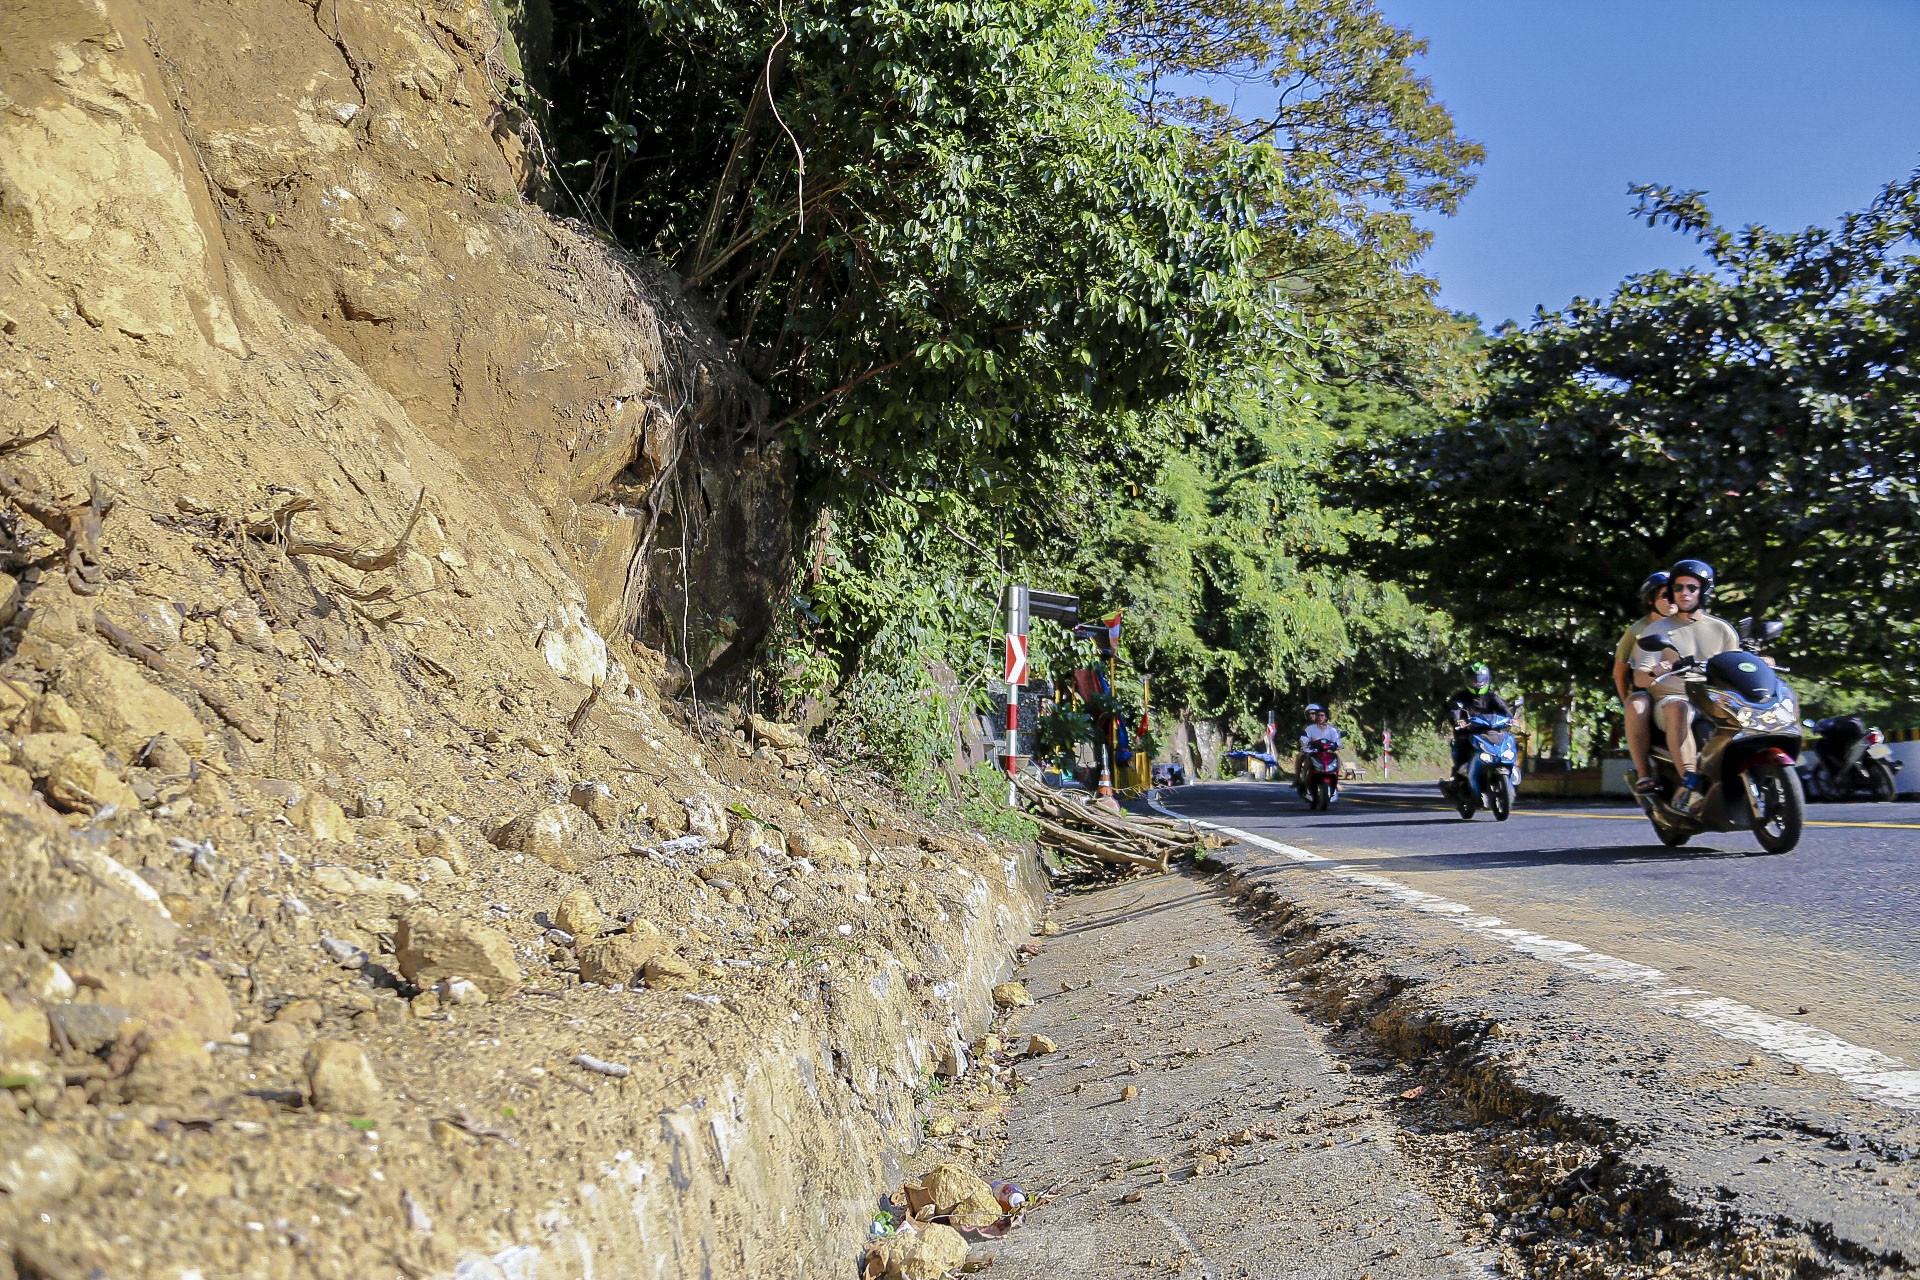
[[1842, 731], [1742, 673]]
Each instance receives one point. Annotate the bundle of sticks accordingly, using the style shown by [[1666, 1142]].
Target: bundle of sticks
[[1079, 830]]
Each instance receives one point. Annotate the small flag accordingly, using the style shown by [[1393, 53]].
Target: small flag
[[1113, 626]]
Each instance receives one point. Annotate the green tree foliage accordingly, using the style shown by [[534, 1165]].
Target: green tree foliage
[[1364, 149], [1761, 412], [1025, 316], [934, 227], [1237, 579]]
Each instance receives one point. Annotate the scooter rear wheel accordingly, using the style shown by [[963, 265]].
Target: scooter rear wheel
[[1881, 775]]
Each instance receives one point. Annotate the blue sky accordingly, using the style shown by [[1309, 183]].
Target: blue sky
[[1786, 113]]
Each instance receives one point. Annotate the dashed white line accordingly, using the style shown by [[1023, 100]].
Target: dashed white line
[[1872, 1074]]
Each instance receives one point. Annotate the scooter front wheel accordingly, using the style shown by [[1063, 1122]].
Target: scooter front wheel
[[1500, 798], [1779, 807], [1671, 838]]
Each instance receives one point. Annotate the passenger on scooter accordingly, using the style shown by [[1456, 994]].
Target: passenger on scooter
[[1477, 700], [1693, 633], [1637, 704], [1319, 729]]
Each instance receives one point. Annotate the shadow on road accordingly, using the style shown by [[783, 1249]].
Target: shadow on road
[[1432, 820], [1599, 855]]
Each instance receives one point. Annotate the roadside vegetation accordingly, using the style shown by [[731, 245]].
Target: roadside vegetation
[[1758, 409], [1123, 299]]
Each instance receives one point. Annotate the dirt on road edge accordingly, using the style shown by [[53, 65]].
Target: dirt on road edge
[[1542, 1110]]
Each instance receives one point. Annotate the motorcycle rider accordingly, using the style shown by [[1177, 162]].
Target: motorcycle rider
[[1476, 700], [1637, 704], [1693, 633], [1319, 729]]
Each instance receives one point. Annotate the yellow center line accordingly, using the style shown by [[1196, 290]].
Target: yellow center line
[[1619, 817]]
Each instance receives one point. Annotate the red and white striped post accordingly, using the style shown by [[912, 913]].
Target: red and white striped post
[[1016, 678]]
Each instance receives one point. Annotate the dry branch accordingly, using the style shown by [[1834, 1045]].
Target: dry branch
[[1074, 842], [79, 525], [219, 703], [21, 442], [585, 709], [278, 525], [1084, 832], [124, 641]]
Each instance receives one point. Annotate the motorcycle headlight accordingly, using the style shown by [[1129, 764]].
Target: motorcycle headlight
[[1487, 756], [1734, 708], [1743, 713]]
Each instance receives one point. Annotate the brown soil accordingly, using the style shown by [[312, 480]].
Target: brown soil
[[272, 305]]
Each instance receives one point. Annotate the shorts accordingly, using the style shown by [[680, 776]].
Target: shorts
[[1660, 704]]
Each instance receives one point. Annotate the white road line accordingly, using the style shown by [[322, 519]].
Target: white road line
[[1872, 1074]]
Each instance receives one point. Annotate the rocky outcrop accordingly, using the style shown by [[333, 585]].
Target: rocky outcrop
[[314, 221], [326, 484]]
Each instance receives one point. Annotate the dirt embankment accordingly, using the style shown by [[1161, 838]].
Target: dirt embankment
[[345, 929]]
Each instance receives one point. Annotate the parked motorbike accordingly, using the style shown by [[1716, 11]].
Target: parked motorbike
[[1319, 781], [1849, 760], [1491, 773], [1746, 726]]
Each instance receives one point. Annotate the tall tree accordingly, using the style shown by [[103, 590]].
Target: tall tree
[[1761, 412], [934, 227], [1365, 149]]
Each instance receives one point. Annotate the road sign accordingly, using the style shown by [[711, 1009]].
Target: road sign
[[1016, 659], [1053, 606]]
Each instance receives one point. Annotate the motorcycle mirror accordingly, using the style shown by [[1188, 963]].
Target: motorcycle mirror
[[1745, 628], [1771, 630], [1806, 724], [1653, 644]]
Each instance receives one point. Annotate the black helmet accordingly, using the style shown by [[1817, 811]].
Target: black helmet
[[1653, 583], [1695, 569]]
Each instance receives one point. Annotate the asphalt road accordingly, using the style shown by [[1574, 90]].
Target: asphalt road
[[1827, 936]]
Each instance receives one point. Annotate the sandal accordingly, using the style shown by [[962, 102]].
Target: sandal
[[1645, 786]]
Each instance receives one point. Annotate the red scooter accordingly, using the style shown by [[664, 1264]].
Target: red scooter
[[1319, 781]]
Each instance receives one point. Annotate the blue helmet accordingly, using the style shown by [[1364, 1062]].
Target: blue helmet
[[1653, 583]]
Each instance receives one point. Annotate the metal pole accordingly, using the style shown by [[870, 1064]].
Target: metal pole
[[1016, 677]]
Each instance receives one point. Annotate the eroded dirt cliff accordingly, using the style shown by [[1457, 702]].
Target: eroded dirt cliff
[[364, 909]]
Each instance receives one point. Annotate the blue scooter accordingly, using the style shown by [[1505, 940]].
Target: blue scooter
[[1492, 771]]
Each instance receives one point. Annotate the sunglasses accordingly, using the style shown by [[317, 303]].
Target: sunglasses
[[1693, 590]]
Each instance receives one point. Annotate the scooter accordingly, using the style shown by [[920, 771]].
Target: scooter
[[1320, 777], [1491, 773], [1747, 730], [1849, 761]]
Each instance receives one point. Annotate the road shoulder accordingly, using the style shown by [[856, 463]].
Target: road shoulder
[[1192, 1121], [1547, 1089]]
